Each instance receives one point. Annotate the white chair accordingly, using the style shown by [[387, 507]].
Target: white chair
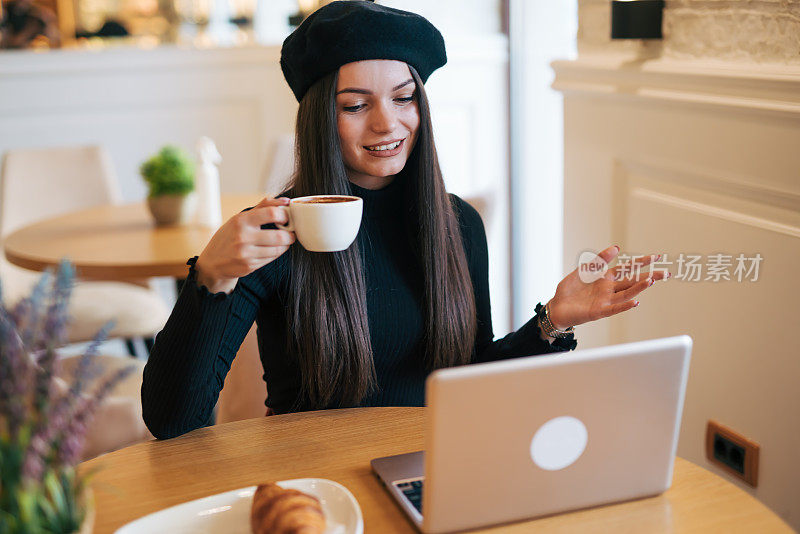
[[41, 183], [244, 391]]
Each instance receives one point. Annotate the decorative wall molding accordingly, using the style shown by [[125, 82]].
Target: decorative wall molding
[[698, 157], [699, 178], [76, 62], [704, 83], [719, 213], [706, 192]]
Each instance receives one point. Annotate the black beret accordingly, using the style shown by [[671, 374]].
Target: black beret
[[355, 30]]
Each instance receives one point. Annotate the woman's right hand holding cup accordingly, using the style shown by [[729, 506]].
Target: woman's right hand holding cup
[[240, 246]]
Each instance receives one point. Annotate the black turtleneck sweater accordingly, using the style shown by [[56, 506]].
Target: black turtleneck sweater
[[193, 353]]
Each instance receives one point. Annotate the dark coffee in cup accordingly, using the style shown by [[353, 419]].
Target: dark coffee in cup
[[326, 200]]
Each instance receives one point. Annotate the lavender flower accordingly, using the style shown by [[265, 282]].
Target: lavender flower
[[26, 314], [71, 441], [63, 410], [41, 430], [55, 322], [86, 370], [34, 462], [14, 375], [56, 319]]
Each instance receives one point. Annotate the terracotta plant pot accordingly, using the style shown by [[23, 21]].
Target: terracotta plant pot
[[172, 209]]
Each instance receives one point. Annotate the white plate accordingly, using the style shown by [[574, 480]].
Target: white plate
[[229, 512]]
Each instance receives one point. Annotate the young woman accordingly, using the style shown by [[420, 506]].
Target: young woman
[[365, 326]]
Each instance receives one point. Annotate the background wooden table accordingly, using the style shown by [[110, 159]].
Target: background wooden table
[[115, 242], [339, 444]]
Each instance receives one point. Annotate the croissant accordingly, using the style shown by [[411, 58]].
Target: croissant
[[285, 511]]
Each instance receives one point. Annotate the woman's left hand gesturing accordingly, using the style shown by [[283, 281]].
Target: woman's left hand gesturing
[[577, 302]]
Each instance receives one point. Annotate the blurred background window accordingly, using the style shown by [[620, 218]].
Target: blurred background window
[[102, 23]]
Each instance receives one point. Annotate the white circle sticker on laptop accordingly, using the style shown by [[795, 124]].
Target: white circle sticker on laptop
[[559, 443]]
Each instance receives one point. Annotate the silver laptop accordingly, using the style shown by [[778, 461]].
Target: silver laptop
[[533, 436]]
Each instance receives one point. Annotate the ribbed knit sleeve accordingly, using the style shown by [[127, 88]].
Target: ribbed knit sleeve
[[193, 353], [526, 341]]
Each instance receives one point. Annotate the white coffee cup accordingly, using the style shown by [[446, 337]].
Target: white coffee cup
[[324, 223]]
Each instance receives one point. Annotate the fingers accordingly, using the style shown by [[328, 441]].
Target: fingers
[[627, 290], [629, 281], [269, 210], [272, 238], [268, 253], [272, 201], [632, 269], [621, 307], [609, 254], [612, 252], [641, 261], [626, 283], [273, 212], [632, 291], [660, 275]]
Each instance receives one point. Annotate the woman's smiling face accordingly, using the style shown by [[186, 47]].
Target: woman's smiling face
[[378, 118]]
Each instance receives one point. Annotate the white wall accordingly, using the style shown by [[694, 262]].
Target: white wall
[[540, 32], [134, 101], [689, 146]]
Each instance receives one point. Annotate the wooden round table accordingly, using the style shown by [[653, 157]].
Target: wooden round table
[[339, 444], [115, 242]]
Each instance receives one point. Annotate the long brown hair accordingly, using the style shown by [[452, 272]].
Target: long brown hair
[[327, 325]]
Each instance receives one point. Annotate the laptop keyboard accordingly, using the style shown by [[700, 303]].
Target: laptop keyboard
[[412, 489]]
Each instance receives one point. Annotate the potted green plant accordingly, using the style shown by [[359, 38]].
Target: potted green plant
[[43, 420], [170, 179]]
